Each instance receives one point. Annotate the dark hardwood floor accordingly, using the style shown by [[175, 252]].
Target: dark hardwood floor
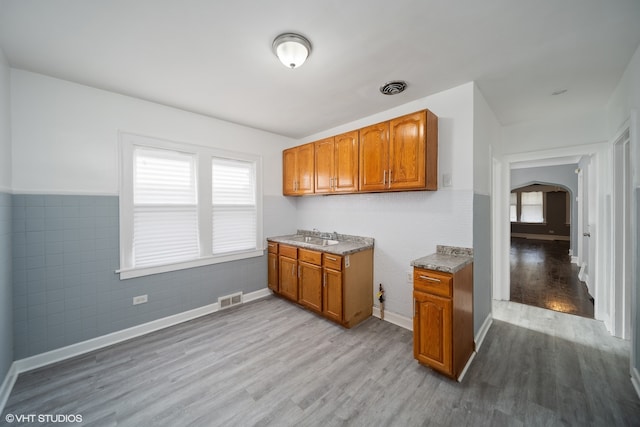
[[542, 275], [270, 363]]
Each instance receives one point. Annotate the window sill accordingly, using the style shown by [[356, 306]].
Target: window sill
[[130, 273]]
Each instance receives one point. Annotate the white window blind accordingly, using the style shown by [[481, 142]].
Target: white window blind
[[165, 215], [513, 207], [233, 205], [532, 209]]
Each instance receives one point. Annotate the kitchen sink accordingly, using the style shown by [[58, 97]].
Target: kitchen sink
[[319, 241]]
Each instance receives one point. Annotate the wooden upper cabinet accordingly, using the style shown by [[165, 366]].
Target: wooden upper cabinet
[[407, 151], [346, 163], [298, 170], [325, 158], [401, 154], [396, 155], [337, 164], [374, 157]]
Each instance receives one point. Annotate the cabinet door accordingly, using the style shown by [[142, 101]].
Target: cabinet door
[[272, 270], [345, 178], [289, 172], [432, 331], [289, 278], [374, 157], [324, 165], [310, 279], [298, 171], [305, 169], [407, 147], [332, 294]]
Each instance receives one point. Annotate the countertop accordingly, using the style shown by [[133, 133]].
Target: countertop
[[346, 245], [448, 259]]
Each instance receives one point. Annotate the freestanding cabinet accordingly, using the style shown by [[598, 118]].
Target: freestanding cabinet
[[443, 319]]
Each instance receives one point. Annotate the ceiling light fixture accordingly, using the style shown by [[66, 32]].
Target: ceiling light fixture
[[393, 87], [291, 49]]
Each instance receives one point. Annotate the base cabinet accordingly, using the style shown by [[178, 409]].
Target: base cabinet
[[332, 294], [338, 287], [443, 319], [288, 273]]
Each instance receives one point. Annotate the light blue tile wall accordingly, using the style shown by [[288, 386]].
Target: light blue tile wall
[[65, 253], [481, 259], [6, 311]]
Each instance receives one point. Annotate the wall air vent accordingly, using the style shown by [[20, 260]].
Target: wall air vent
[[230, 300], [393, 87]]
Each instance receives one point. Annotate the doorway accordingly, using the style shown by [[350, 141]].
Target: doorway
[[543, 238], [598, 155]]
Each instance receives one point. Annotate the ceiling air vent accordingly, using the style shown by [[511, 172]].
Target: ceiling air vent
[[393, 87]]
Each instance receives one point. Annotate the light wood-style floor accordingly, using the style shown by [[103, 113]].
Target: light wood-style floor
[[272, 363]]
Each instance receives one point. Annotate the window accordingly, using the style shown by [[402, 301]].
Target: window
[[165, 217], [184, 206], [531, 207], [527, 206], [234, 205]]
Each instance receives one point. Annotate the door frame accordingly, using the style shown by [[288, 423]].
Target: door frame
[[502, 225]]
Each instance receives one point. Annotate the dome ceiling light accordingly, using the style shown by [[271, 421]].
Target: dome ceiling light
[[291, 49]]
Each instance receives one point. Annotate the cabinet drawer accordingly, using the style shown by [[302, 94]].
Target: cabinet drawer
[[433, 282], [312, 257], [272, 247], [288, 251], [333, 262]]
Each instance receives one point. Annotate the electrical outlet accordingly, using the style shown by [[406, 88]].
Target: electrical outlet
[[409, 276], [140, 299]]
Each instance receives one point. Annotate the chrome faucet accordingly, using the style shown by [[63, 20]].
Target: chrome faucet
[[334, 236]]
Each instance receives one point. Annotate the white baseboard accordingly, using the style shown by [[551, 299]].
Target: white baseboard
[[395, 318], [482, 332], [635, 380], [466, 367], [7, 385], [59, 354], [581, 272]]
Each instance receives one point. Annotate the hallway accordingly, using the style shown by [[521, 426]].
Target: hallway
[[542, 275]]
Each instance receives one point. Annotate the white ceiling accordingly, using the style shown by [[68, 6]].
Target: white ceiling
[[214, 57]]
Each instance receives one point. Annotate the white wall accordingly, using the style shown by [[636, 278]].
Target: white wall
[[487, 133], [65, 135], [551, 134], [408, 225], [6, 259], [65, 140], [5, 124]]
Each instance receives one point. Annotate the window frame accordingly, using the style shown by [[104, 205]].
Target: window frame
[[204, 157]]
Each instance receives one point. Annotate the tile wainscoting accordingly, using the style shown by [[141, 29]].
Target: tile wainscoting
[[65, 290]]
